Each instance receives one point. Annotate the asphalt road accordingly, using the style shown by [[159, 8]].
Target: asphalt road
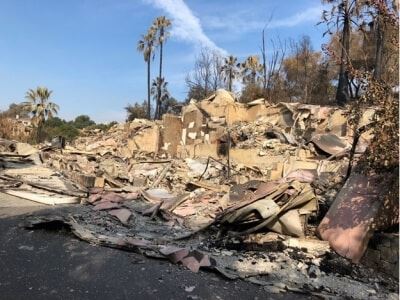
[[43, 264]]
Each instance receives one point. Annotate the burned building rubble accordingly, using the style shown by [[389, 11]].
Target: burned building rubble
[[253, 191]]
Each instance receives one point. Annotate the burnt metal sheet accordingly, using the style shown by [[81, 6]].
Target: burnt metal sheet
[[280, 207], [329, 143]]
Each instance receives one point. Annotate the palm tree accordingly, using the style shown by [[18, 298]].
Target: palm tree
[[159, 90], [146, 46], [250, 69], [40, 106], [161, 25], [230, 70]]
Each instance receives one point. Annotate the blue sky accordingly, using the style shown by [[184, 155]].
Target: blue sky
[[85, 50]]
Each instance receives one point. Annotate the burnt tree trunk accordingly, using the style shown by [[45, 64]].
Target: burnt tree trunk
[[379, 48], [342, 92], [264, 63]]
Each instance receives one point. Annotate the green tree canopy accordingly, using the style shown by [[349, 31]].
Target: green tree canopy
[[83, 121], [15, 110], [137, 111]]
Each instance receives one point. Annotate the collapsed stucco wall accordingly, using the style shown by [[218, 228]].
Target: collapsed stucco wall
[[383, 254], [205, 122], [170, 134], [202, 128]]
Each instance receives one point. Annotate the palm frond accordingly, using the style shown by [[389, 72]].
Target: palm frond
[[31, 95], [160, 26]]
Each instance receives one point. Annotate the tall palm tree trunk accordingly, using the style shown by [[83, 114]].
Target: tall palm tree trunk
[[253, 77], [39, 133], [230, 80], [159, 85], [148, 89], [342, 92]]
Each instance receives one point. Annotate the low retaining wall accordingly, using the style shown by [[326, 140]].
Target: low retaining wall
[[383, 254]]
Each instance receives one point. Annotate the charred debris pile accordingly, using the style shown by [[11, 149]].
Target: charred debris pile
[[253, 191]]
